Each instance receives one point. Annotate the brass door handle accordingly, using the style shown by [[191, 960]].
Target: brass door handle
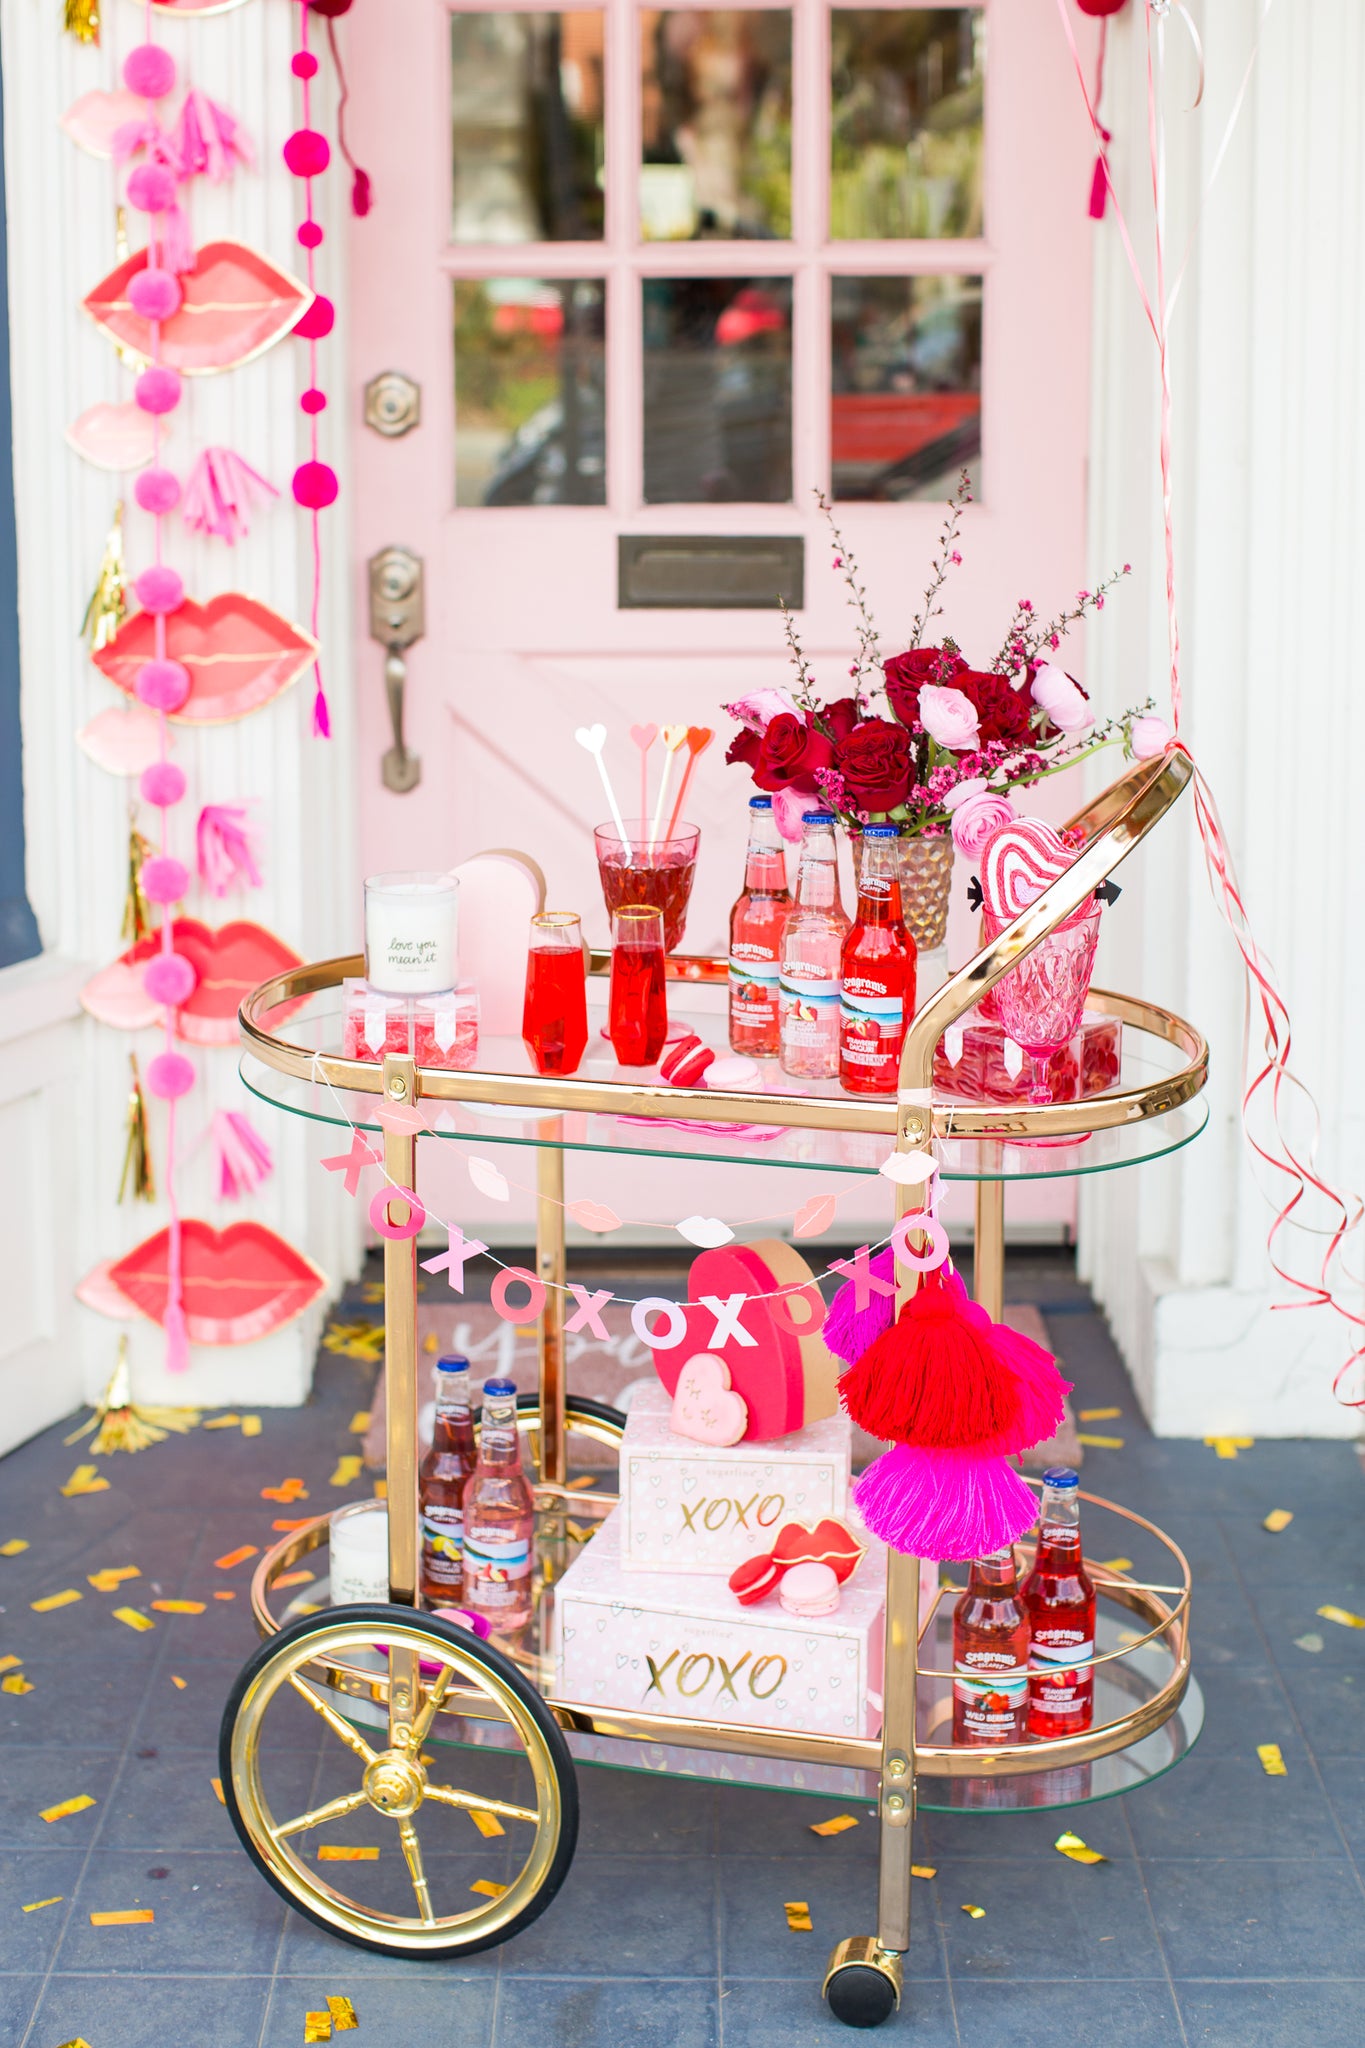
[[397, 619]]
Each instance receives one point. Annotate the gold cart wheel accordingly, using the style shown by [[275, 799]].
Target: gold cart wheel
[[357, 1825], [863, 1982]]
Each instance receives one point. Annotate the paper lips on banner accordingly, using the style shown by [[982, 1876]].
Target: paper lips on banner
[[236, 305], [117, 995], [118, 437], [239, 1284], [228, 963], [192, 7], [93, 120], [238, 652], [123, 739], [97, 1291], [785, 1378]]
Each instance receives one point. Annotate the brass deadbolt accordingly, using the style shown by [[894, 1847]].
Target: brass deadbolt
[[393, 404]]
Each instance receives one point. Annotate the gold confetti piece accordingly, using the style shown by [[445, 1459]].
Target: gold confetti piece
[[306, 1607], [225, 1596], [360, 1422], [1098, 1414], [287, 1527], [381, 1489], [487, 1824], [1229, 1446], [79, 2041], [1343, 1616], [341, 1852], [1277, 1519], [295, 1579], [179, 1606], [1115, 1564], [347, 1471], [288, 1490], [580, 1485], [131, 1618], [798, 1916], [317, 2026], [251, 1425], [36, 1905], [51, 1600], [486, 1886], [840, 1825], [223, 1422], [139, 1916], [924, 1870], [13, 1547], [1099, 1443], [1272, 1763], [1072, 1845], [10, 1663], [344, 2020], [16, 1683], [976, 1912], [85, 1479], [233, 1557], [217, 1785], [111, 1577], [67, 1807], [178, 1683]]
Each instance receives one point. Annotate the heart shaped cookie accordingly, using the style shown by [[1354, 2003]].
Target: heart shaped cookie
[[785, 1374], [704, 1406], [1017, 863]]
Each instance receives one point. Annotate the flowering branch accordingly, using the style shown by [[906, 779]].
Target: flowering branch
[[948, 557], [1026, 638], [804, 679], [869, 659]]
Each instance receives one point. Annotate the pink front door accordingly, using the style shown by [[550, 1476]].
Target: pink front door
[[661, 275]]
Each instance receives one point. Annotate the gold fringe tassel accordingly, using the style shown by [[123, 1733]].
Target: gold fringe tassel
[[121, 1425], [81, 19], [137, 1156], [137, 918], [108, 606]]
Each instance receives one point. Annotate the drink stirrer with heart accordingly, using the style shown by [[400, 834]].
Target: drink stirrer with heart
[[594, 738], [673, 736], [644, 737], [699, 738]]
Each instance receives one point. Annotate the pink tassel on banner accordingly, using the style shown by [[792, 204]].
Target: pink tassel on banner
[[244, 1158], [149, 135], [219, 492], [223, 849], [946, 1505], [177, 249], [210, 141], [322, 722]]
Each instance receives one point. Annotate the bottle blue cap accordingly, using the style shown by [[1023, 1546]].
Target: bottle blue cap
[[1061, 1478], [760, 803], [881, 832], [499, 1387], [818, 818], [452, 1361]]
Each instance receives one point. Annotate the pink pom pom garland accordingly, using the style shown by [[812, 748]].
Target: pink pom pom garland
[[157, 390], [160, 589], [157, 490], [170, 1076], [162, 685], [315, 484], [162, 785], [170, 979], [154, 294], [149, 71]]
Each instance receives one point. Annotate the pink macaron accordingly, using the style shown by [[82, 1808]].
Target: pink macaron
[[809, 1589]]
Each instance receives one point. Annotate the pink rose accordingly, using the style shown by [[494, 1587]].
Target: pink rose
[[790, 807], [975, 820], [1149, 737], [948, 716], [1064, 701], [761, 707], [962, 792]]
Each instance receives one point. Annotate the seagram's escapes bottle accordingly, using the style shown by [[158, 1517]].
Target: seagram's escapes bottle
[[756, 923], [1060, 1599], [877, 970], [499, 1516], [990, 1654], [441, 1483], [811, 942]]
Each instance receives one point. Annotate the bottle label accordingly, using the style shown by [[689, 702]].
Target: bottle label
[[753, 980], [992, 1695], [442, 1533], [496, 1568], [1056, 1687], [810, 1020]]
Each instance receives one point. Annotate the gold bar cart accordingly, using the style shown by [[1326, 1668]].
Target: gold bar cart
[[404, 1698]]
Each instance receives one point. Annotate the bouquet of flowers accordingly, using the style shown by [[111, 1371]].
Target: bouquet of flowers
[[922, 739]]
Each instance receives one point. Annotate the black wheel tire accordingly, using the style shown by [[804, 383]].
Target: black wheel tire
[[479, 1652], [578, 1404], [860, 1996]]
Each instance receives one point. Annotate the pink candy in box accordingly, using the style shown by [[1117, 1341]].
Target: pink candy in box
[[436, 1031], [977, 1061]]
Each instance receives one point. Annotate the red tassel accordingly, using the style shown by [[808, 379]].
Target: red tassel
[[934, 1378], [360, 193], [1099, 184]]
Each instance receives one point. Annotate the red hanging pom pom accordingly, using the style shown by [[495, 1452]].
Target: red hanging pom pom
[[934, 1378]]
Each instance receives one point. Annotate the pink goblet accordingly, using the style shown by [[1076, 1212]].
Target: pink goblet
[[644, 869], [1041, 1000]]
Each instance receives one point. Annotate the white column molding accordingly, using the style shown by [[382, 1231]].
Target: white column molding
[[1269, 434]]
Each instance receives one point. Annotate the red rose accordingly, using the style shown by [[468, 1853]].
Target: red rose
[[1002, 712], [745, 747], [840, 717], [875, 761], [905, 673], [790, 752]]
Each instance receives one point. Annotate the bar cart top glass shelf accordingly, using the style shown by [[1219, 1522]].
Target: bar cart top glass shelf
[[503, 1707]]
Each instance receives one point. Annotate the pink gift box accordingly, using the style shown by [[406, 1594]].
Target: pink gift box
[[436, 1031], [976, 1061]]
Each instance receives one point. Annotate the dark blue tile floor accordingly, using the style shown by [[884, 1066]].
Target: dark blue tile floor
[[1230, 1910]]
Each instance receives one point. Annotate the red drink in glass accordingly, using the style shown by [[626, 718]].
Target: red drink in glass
[[637, 1008], [554, 1019], [1059, 1597], [990, 1655], [638, 870]]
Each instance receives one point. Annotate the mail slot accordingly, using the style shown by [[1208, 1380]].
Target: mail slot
[[710, 572]]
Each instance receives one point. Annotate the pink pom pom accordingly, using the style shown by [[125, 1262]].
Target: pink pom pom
[[315, 485], [162, 685], [158, 390], [160, 589], [318, 321], [944, 1505], [151, 188], [170, 979], [304, 64], [154, 294], [170, 1076], [157, 490], [309, 235], [162, 784], [307, 153], [149, 71], [164, 879], [314, 401]]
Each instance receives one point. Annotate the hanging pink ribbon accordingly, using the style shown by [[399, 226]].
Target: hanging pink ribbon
[[223, 851], [219, 493]]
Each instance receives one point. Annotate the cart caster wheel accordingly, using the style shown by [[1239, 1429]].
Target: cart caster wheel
[[863, 1982], [342, 1807]]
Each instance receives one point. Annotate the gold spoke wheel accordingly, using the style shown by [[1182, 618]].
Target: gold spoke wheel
[[407, 1891]]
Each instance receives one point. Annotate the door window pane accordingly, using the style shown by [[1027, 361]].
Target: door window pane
[[716, 111], [905, 403], [718, 414], [526, 118], [530, 381], [907, 96]]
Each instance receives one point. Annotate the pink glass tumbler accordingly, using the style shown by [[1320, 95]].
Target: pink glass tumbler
[[1041, 1000], [644, 869]]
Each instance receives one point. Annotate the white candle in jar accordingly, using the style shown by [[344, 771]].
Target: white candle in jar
[[359, 1547], [411, 933]]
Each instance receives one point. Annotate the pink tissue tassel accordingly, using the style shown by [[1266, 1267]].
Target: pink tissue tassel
[[223, 850], [209, 140], [244, 1158], [220, 491], [945, 1505]]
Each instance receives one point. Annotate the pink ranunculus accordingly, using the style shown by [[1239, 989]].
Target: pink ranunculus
[[948, 716], [1149, 736], [975, 820], [1064, 701], [963, 792], [761, 707], [790, 807]]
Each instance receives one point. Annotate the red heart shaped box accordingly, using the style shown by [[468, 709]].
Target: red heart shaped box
[[229, 963], [239, 1284], [786, 1380]]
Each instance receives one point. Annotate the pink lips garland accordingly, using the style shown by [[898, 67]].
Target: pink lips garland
[[228, 964], [238, 652], [240, 1284], [236, 305]]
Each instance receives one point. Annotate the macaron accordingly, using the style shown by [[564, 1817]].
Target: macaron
[[736, 1072], [754, 1579], [687, 1062], [809, 1589]]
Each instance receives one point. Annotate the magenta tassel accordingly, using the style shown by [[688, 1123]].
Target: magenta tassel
[[223, 850], [848, 1329], [944, 1505], [219, 493], [149, 135], [322, 721], [1099, 184], [209, 140], [360, 193], [244, 1158]]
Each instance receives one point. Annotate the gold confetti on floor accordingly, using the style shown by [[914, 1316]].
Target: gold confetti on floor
[[178, 1683], [179, 1606], [488, 1888], [85, 1479], [36, 1905], [347, 1471], [10, 1663], [130, 1617], [360, 1422], [1277, 1519], [487, 1824], [112, 1576], [344, 2020], [1342, 1616], [798, 1916], [583, 1481], [223, 1422], [1272, 1763], [51, 1600], [230, 1558], [15, 1683], [138, 1916], [1099, 1443], [1115, 1564], [1229, 1446], [295, 1579], [381, 1489], [341, 1852], [286, 1528], [79, 2041], [317, 2026], [1071, 1845], [15, 1545], [840, 1825], [1098, 1414], [976, 1912], [225, 1596], [924, 1870], [217, 1785], [251, 1425], [67, 1807]]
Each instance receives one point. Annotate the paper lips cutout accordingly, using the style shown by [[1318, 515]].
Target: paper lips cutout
[[828, 1543], [238, 652], [120, 437], [237, 304], [1017, 863], [116, 995], [228, 964], [239, 1284], [122, 739], [785, 1378], [705, 1408], [94, 119]]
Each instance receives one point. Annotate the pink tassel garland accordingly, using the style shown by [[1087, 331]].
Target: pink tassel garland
[[220, 491], [148, 135], [322, 721], [209, 140], [177, 249], [950, 1506], [244, 1158], [223, 850]]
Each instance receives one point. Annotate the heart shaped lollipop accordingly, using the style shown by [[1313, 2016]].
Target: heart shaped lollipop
[[1017, 863]]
